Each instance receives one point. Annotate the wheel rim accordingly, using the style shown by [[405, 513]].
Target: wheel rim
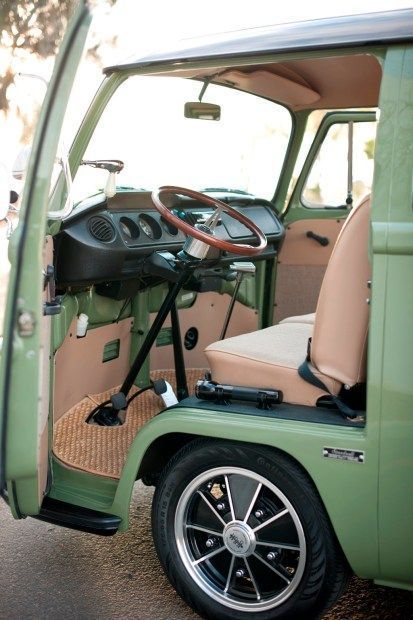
[[240, 539]]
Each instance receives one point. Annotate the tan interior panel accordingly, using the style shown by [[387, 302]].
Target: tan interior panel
[[79, 369], [265, 83], [348, 81], [207, 315], [298, 249], [301, 266]]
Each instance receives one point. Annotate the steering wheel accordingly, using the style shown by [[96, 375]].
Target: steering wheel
[[205, 232]]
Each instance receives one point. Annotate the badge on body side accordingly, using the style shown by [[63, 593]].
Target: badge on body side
[[343, 454]]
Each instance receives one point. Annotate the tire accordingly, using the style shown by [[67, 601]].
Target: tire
[[219, 509]]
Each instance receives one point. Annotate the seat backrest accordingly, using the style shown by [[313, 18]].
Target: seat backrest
[[339, 343]]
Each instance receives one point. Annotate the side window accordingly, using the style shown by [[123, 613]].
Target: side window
[[331, 177]]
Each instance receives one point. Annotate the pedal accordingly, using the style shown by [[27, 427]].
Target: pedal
[[165, 390]]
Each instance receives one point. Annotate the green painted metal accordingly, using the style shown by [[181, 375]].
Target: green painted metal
[[299, 126], [140, 328], [102, 310], [24, 353], [81, 488], [390, 387], [158, 293], [61, 322]]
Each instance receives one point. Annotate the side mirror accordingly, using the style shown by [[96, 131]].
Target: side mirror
[[202, 111], [4, 192]]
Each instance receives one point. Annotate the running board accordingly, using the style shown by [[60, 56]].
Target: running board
[[78, 518]]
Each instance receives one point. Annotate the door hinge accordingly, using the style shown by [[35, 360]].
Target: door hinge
[[54, 305]]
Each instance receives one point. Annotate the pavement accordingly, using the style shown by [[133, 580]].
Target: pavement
[[53, 573]]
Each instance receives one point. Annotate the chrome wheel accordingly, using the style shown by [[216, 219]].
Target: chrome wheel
[[240, 539]]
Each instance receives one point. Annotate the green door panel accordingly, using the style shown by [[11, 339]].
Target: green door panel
[[21, 371], [391, 325]]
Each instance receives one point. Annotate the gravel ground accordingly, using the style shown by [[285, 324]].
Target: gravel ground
[[49, 572]]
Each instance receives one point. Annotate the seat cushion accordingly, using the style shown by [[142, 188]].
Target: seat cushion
[[302, 318], [268, 358]]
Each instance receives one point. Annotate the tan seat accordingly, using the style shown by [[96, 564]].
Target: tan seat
[[307, 319], [269, 358]]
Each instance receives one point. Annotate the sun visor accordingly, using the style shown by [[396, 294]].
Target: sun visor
[[272, 86]]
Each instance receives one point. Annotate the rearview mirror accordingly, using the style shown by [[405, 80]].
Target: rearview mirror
[[202, 111]]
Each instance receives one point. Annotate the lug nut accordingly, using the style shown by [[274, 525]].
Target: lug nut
[[210, 542], [209, 486], [259, 514], [240, 573], [271, 556], [221, 506]]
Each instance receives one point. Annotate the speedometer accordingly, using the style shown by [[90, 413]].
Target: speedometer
[[150, 226], [146, 228]]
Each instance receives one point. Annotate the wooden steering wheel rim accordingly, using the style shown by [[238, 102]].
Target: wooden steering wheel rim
[[188, 229]]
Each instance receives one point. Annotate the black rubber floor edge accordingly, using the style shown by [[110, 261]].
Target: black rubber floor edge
[[78, 518], [283, 411]]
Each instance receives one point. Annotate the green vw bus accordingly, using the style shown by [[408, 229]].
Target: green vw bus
[[223, 309]]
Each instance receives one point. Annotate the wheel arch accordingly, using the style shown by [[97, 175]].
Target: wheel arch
[[165, 447], [170, 444], [161, 438]]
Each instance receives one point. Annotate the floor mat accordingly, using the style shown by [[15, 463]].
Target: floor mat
[[102, 450]]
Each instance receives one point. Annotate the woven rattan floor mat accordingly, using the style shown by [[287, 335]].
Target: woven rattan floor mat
[[102, 450]]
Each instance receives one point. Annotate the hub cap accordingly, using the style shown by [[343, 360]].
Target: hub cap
[[240, 539]]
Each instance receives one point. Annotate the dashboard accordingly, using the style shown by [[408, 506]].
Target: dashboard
[[107, 240]]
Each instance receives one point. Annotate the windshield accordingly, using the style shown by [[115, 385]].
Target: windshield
[[144, 126]]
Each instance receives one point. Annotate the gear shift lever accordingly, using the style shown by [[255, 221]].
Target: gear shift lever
[[241, 268]]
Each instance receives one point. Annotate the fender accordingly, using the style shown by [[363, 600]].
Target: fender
[[352, 511]]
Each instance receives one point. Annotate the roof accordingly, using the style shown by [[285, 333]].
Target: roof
[[368, 29]]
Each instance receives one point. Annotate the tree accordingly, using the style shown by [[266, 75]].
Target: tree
[[31, 27]]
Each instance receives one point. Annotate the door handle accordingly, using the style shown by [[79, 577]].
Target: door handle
[[321, 240]]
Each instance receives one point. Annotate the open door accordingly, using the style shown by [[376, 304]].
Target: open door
[[337, 174], [25, 361]]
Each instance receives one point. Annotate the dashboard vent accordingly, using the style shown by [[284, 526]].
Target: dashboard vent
[[101, 229]]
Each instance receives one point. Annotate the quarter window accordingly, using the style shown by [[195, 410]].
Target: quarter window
[[328, 183]]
